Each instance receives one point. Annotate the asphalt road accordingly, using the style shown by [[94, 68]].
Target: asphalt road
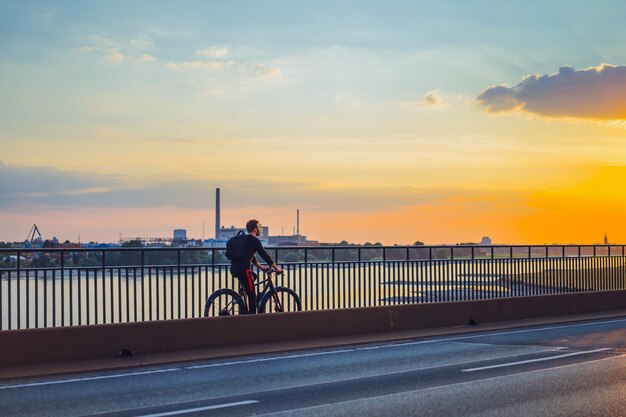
[[576, 369]]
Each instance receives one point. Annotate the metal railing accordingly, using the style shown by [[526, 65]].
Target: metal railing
[[81, 286]]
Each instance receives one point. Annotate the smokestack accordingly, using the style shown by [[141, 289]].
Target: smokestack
[[217, 213], [298, 222]]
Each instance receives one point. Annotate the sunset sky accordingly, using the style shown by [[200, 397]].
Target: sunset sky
[[381, 121]]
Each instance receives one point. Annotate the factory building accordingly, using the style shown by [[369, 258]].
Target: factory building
[[222, 234]]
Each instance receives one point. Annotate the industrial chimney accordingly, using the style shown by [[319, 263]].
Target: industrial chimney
[[298, 222], [217, 213]]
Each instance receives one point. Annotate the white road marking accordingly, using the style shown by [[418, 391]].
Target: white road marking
[[549, 358], [90, 378], [195, 410], [275, 358]]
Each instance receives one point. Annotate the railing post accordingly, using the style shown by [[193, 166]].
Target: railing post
[[104, 310], [143, 290], [19, 274], [63, 288], [178, 254]]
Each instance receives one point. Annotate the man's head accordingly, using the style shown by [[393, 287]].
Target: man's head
[[253, 227]]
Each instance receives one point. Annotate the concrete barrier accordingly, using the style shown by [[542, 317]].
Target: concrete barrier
[[32, 346]]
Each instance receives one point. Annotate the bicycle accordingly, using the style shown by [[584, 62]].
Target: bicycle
[[272, 299]]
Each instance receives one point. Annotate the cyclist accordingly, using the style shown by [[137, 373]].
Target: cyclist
[[240, 267]]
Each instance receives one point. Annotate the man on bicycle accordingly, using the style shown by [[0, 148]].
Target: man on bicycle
[[240, 267]]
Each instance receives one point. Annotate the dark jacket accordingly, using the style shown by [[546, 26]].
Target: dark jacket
[[253, 246]]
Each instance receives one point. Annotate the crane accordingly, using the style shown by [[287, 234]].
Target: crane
[[31, 235]]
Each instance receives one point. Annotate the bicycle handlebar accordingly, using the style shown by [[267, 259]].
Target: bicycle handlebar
[[271, 271]]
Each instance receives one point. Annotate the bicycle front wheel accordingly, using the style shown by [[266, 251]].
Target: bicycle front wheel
[[224, 302], [282, 299]]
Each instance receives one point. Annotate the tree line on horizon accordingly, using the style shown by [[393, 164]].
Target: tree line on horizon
[[207, 256]]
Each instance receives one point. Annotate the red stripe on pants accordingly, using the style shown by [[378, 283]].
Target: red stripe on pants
[[250, 281]]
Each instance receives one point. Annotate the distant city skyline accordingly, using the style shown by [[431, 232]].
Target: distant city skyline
[[383, 122]]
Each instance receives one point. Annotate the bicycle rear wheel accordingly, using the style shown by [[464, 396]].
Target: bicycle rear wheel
[[224, 302], [282, 299]]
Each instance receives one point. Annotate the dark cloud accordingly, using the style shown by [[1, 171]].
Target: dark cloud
[[20, 184], [592, 93], [52, 188]]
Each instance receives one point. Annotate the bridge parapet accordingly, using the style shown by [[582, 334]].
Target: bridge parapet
[[69, 344]]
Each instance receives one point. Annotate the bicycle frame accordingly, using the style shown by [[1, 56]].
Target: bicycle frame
[[269, 288]]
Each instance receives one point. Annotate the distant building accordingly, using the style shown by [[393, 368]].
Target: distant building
[[291, 240], [228, 232], [606, 239], [214, 243], [180, 234], [485, 241], [193, 243]]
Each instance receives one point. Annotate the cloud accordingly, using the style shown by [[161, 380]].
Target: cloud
[[595, 93], [256, 68], [114, 56], [213, 52], [219, 76], [20, 186], [147, 58], [44, 188], [260, 69], [270, 71], [141, 41], [100, 41], [204, 64], [432, 99], [116, 50]]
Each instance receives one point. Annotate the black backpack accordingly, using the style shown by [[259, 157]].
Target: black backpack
[[236, 247]]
